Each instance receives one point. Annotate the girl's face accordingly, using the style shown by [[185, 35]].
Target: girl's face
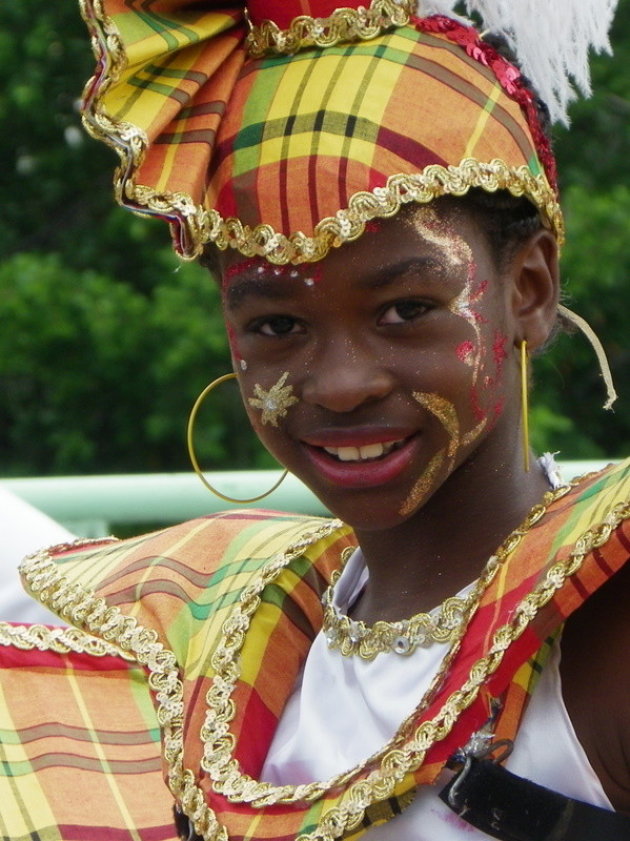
[[374, 374]]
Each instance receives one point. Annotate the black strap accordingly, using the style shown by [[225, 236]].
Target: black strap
[[183, 826], [511, 808]]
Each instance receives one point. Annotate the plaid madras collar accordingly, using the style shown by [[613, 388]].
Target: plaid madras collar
[[240, 632]]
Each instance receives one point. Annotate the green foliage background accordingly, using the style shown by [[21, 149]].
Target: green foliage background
[[106, 339]]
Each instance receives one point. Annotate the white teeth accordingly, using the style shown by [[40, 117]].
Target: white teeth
[[369, 451], [348, 454], [372, 451]]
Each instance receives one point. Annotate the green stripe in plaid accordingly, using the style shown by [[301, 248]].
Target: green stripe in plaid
[[308, 115], [143, 25], [155, 78]]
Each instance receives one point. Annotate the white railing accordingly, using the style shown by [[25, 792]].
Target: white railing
[[89, 505]]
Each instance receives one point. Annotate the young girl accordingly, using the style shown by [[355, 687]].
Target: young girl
[[448, 659]]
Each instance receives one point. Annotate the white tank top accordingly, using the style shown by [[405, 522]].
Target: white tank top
[[343, 709]]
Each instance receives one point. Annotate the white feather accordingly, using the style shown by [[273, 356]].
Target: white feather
[[551, 39]]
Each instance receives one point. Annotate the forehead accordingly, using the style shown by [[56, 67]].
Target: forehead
[[439, 237]]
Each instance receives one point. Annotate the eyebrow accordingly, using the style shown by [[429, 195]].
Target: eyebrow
[[270, 288], [389, 274], [281, 288]]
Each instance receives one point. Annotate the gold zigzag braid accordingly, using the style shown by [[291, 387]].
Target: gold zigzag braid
[[344, 24]]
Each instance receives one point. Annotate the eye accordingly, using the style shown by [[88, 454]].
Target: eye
[[276, 325], [403, 311]]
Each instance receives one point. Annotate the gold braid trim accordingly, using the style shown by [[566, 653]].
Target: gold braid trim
[[128, 140], [59, 640], [345, 24], [383, 202], [400, 757], [402, 754]]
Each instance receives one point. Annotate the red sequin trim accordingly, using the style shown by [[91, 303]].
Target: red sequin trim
[[509, 77]]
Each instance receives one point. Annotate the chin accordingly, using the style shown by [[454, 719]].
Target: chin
[[367, 510]]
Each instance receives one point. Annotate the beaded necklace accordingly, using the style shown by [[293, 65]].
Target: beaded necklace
[[441, 625]]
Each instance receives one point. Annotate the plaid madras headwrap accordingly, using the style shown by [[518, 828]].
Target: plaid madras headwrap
[[221, 612], [286, 156]]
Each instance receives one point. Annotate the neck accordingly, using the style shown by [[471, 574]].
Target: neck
[[444, 546]]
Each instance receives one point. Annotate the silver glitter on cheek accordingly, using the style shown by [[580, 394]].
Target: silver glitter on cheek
[[309, 281], [243, 365]]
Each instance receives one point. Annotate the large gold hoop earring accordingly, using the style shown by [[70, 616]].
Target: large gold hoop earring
[[525, 404], [191, 448]]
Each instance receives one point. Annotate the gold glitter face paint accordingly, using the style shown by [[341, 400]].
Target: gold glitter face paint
[[434, 229], [275, 402], [474, 433], [423, 485], [439, 232], [463, 307], [444, 411]]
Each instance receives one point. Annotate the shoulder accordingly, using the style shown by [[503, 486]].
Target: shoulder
[[179, 574], [593, 530], [204, 544], [595, 672]]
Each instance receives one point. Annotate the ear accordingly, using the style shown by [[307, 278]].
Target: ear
[[535, 289]]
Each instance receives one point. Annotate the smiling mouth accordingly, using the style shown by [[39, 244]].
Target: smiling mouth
[[369, 452]]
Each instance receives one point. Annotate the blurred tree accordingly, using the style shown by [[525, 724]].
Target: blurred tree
[[592, 159], [568, 387], [592, 151], [96, 376], [106, 339], [55, 181]]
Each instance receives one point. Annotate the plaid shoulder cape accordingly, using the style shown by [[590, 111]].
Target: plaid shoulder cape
[[186, 646]]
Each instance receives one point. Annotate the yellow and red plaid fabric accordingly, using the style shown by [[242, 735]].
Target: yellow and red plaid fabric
[[79, 740], [78, 732], [289, 155]]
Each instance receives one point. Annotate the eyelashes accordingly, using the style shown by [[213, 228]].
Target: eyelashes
[[275, 326], [402, 312], [399, 312]]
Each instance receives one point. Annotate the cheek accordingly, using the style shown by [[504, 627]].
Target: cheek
[[251, 390], [273, 438], [488, 392], [480, 363], [271, 403], [234, 345], [499, 352], [446, 415], [466, 352], [483, 355]]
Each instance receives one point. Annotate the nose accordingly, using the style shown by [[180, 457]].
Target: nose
[[343, 375]]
